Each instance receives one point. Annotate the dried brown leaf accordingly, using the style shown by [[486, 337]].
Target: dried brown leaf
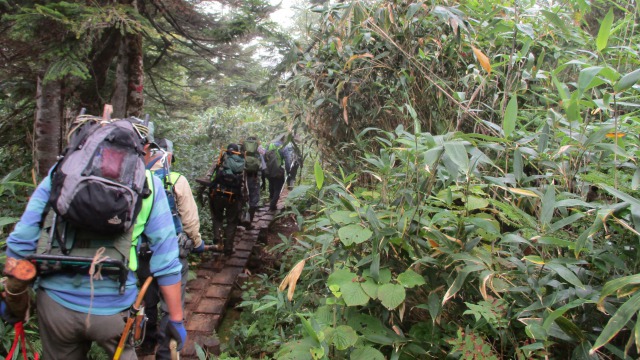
[[294, 275], [482, 59], [345, 113]]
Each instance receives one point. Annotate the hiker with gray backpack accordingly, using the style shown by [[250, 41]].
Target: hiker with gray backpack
[[82, 227]]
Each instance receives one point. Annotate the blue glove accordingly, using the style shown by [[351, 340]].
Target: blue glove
[[175, 330], [199, 249]]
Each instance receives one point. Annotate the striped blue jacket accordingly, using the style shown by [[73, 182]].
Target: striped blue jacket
[[73, 291]]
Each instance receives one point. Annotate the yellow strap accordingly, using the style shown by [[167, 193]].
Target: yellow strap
[[141, 222]]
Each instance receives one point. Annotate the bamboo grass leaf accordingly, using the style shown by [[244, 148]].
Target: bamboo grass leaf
[[319, 174], [627, 81], [547, 206], [617, 322], [510, 117], [605, 31]]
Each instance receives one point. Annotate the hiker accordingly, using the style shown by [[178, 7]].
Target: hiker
[[291, 164], [254, 165], [184, 211], [80, 303], [275, 172], [226, 197]]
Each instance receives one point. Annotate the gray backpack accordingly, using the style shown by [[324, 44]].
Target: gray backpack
[[100, 180]]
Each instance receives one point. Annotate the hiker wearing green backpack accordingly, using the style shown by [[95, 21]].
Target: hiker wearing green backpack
[[104, 201], [226, 197], [275, 172], [187, 223], [253, 166]]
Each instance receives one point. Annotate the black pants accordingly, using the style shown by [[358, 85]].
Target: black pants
[[224, 207], [275, 187]]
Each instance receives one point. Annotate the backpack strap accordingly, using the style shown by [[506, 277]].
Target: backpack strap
[[153, 162], [141, 222]]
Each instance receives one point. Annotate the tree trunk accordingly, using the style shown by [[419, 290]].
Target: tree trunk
[[48, 124], [135, 101], [127, 97], [121, 88]]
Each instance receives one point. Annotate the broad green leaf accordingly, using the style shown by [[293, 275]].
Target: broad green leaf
[[566, 274], [319, 174], [200, 352], [412, 9], [586, 77], [366, 324], [391, 295], [317, 352], [566, 221], [475, 203], [366, 353], [410, 279], [535, 259], [627, 81], [458, 155], [570, 328], [340, 277], [623, 196], [308, 328], [370, 287], [354, 233], [561, 87], [547, 206], [345, 217], [536, 332], [618, 321], [344, 337], [616, 284], [561, 311], [456, 286], [296, 350], [8, 220], [353, 294], [384, 275], [605, 31], [434, 306], [510, 116], [636, 331], [555, 20], [518, 165], [379, 339], [585, 235], [524, 192]]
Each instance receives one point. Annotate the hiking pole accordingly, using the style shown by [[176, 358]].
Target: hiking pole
[[131, 319]]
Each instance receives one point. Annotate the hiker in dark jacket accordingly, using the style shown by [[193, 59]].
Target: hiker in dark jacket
[[275, 172], [226, 198], [254, 166], [291, 164]]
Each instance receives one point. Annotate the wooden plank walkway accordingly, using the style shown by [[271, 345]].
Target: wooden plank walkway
[[209, 293]]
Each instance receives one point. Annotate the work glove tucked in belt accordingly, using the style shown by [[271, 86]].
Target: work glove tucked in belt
[[185, 245]]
